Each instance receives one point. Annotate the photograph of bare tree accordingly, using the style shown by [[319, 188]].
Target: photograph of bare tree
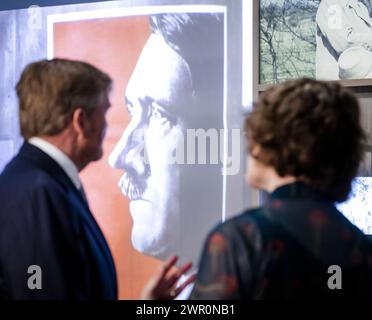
[[323, 39]]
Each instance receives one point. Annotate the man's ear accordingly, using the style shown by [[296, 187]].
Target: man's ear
[[255, 150], [79, 121]]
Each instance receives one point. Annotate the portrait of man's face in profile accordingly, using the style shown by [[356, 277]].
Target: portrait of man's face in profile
[[177, 85], [169, 73]]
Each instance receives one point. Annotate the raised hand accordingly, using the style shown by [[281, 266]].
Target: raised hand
[[163, 286]]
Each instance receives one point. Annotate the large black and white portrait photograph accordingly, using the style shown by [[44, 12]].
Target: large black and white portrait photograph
[[161, 182], [171, 83]]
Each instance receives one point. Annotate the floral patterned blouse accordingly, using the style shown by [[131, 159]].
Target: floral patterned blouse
[[286, 250]]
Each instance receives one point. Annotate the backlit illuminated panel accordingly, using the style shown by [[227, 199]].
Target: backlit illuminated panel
[[116, 36], [164, 95], [358, 208]]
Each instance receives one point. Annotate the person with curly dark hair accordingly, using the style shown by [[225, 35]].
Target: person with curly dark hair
[[305, 143]]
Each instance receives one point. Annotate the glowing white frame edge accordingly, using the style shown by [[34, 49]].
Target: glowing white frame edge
[[148, 10], [247, 54]]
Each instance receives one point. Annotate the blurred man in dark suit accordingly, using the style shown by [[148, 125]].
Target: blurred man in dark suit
[[50, 244]]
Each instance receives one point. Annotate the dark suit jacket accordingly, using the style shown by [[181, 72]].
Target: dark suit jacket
[[45, 221]]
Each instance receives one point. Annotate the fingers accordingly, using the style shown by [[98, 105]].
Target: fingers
[[178, 274], [166, 267], [163, 285], [186, 267], [188, 281], [172, 281]]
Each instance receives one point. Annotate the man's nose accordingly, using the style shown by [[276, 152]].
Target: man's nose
[[126, 154]]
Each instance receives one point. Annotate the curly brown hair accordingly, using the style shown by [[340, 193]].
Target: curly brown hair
[[309, 129]]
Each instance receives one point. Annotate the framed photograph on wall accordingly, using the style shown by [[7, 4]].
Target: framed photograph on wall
[[160, 57], [321, 39]]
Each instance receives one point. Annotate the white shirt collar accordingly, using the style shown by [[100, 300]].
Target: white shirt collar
[[57, 155]]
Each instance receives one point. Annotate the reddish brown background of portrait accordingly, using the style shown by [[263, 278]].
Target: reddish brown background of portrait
[[113, 45]]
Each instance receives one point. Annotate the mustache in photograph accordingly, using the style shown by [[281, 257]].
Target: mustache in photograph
[[132, 185]]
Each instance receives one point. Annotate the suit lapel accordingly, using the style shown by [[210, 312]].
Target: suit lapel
[[46, 163]]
